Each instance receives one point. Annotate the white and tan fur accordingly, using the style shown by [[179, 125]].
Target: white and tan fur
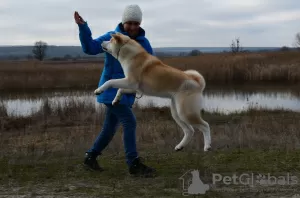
[[146, 74]]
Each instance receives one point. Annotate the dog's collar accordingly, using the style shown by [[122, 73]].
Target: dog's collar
[[121, 47]]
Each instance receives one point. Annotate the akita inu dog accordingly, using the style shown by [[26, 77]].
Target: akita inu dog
[[148, 75]]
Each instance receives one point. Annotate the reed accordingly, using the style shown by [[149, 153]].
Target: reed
[[267, 67]]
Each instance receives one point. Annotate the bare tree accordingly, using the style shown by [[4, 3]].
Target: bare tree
[[236, 46], [297, 40], [39, 50]]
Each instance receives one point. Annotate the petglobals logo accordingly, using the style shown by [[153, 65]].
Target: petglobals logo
[[193, 183], [250, 179]]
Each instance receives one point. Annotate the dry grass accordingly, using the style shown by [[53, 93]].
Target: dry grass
[[36, 75], [40, 154], [281, 67], [272, 67], [72, 126]]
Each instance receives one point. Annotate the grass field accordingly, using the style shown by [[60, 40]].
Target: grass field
[[268, 67], [41, 155]]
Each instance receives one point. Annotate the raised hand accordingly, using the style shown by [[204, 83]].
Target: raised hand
[[78, 18]]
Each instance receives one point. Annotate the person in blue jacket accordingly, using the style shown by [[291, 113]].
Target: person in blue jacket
[[121, 113]]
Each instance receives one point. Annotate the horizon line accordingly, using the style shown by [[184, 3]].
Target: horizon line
[[152, 47]]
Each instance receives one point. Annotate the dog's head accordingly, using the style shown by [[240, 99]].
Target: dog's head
[[114, 45]]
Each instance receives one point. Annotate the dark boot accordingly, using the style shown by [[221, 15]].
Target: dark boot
[[90, 162], [137, 168]]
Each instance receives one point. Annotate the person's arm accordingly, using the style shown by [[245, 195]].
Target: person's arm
[[89, 45]]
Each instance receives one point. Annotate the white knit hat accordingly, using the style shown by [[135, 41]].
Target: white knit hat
[[132, 13]]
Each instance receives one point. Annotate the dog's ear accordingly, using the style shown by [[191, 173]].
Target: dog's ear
[[117, 37]]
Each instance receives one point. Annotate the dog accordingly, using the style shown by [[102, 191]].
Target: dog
[[148, 75]]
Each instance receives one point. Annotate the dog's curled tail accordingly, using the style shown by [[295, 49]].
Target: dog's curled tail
[[195, 75]]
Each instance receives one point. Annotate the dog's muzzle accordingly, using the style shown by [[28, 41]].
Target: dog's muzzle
[[104, 45]]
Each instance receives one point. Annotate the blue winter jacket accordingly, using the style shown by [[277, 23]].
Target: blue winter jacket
[[112, 67]]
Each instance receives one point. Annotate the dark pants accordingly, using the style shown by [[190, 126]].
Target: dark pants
[[115, 115]]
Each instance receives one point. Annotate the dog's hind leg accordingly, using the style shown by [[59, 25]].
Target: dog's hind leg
[[188, 130], [190, 112], [203, 126], [199, 123]]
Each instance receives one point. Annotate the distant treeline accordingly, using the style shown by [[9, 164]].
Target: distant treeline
[[76, 53]]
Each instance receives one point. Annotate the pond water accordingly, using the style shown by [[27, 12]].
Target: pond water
[[216, 99]]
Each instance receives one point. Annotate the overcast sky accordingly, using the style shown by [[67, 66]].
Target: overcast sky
[[168, 23]]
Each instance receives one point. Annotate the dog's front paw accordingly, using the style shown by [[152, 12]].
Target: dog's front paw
[[115, 102], [98, 91]]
